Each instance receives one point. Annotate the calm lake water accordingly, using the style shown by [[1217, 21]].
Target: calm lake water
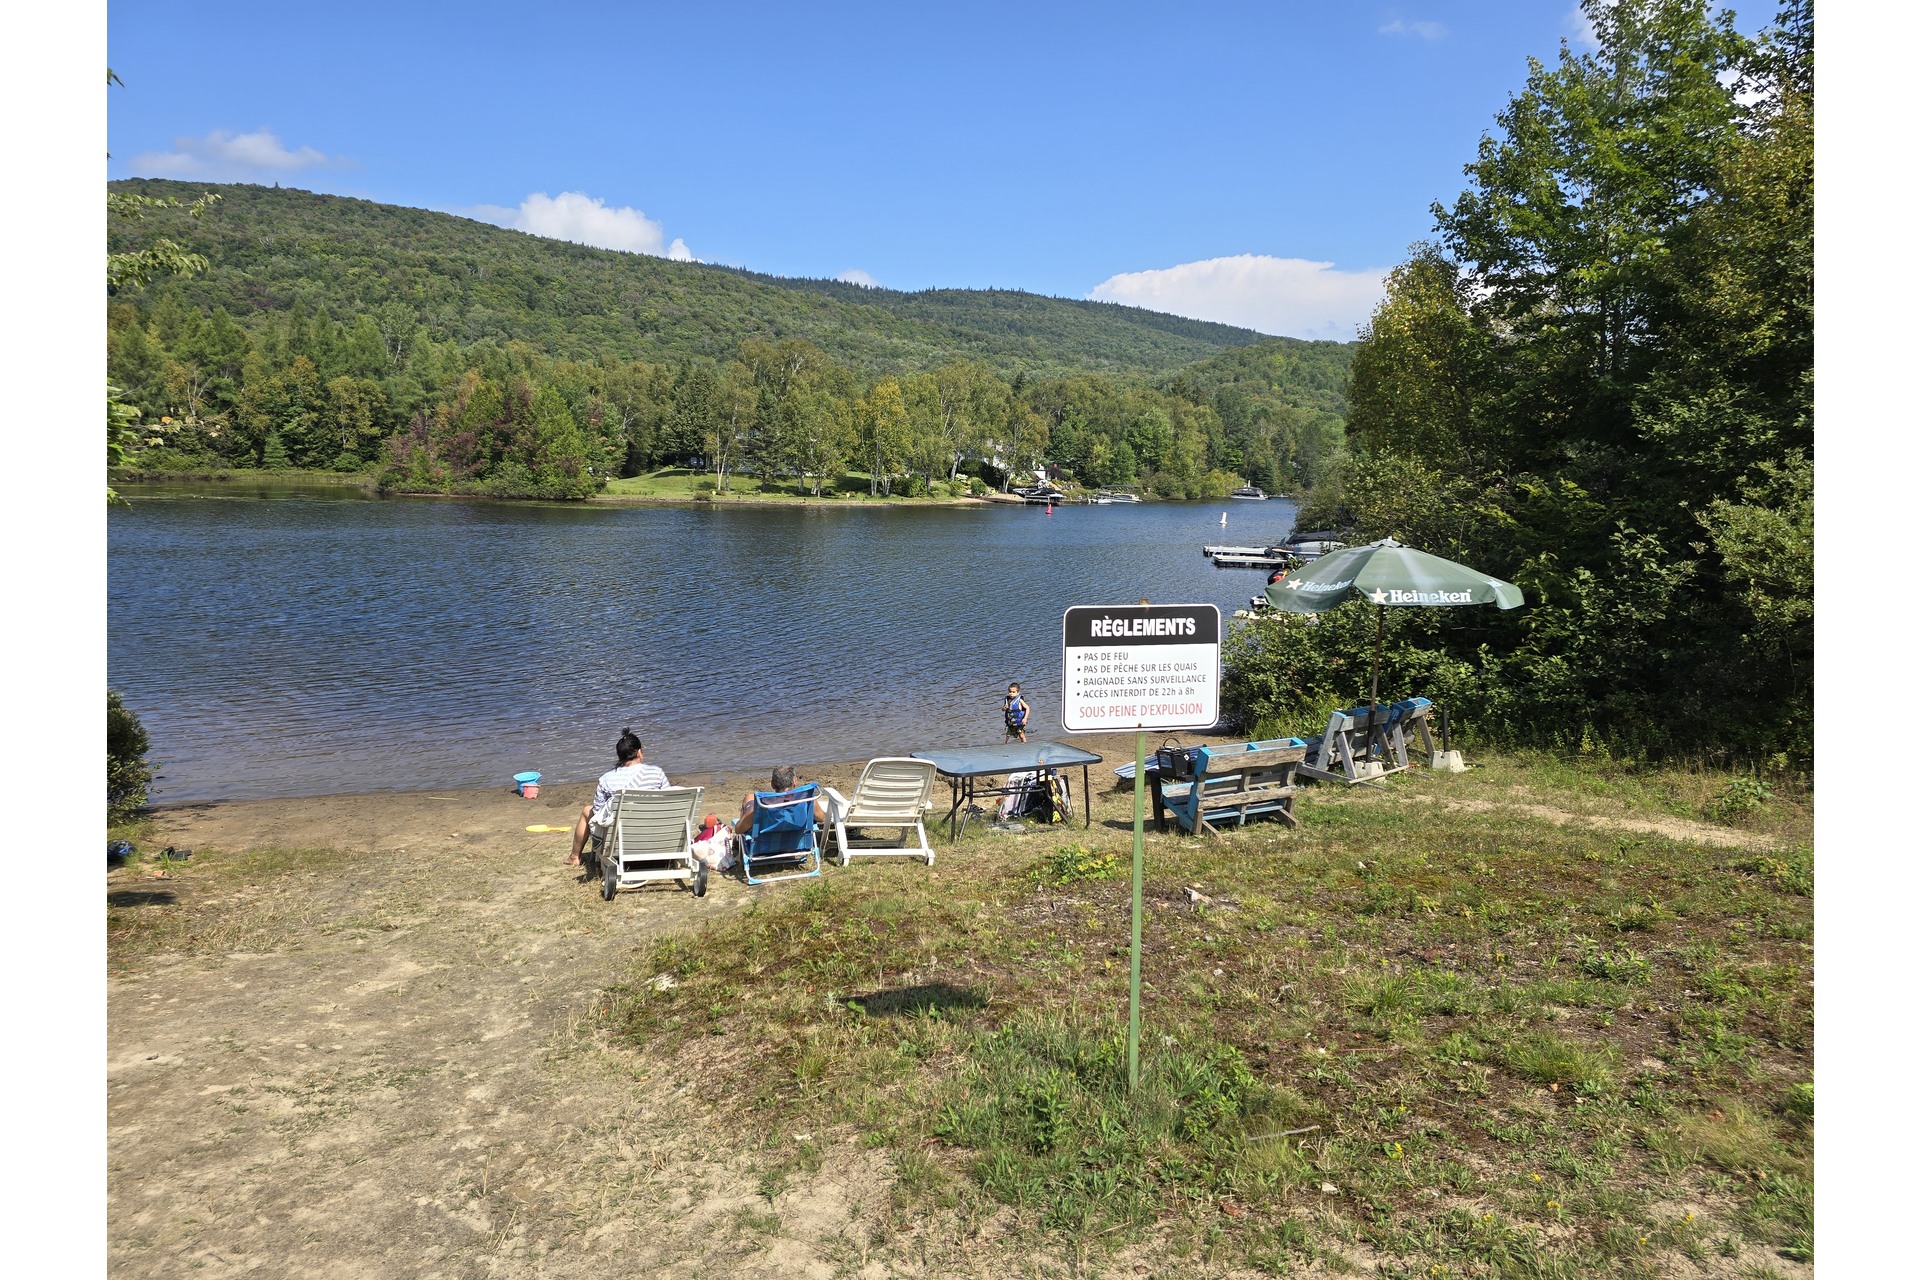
[[290, 642]]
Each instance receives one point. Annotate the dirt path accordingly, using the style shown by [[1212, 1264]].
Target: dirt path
[[400, 1083], [1670, 827]]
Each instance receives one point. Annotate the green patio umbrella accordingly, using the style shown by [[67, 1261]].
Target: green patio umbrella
[[1388, 574]]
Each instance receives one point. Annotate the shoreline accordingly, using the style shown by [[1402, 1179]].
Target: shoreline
[[1113, 748]]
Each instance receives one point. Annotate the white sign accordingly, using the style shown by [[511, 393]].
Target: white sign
[[1147, 666]]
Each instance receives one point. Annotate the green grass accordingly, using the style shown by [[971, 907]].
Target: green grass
[[1495, 1037]]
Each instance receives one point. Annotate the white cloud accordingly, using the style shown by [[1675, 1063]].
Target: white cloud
[[854, 275], [1580, 29], [1425, 30], [226, 156], [1286, 296], [1748, 91], [585, 219]]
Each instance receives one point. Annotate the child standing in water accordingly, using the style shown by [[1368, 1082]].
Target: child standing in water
[[1014, 711]]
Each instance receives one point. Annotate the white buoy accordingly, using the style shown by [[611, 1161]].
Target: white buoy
[[1223, 519]]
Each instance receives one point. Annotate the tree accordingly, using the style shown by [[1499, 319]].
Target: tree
[[1598, 384], [132, 268], [733, 414], [556, 457], [820, 433], [971, 400], [128, 773], [884, 435], [354, 414], [1419, 366]]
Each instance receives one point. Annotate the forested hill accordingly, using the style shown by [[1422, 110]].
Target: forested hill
[[1041, 322], [282, 250]]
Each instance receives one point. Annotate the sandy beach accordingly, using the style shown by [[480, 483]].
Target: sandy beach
[[375, 1055]]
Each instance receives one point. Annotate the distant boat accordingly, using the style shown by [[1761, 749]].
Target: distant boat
[[1108, 497], [1312, 544], [1248, 493]]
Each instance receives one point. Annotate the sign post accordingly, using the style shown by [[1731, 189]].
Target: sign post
[[1139, 667]]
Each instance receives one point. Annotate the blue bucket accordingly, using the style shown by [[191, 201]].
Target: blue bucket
[[524, 780]]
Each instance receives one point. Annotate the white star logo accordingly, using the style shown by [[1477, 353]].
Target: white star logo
[[1293, 584], [1378, 595]]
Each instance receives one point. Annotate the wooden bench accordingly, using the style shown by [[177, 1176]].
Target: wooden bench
[[1231, 784], [1360, 745]]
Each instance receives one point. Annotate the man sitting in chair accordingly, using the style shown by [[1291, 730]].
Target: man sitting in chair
[[783, 780], [633, 774]]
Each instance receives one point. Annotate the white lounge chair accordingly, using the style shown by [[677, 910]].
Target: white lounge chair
[[893, 791], [650, 837]]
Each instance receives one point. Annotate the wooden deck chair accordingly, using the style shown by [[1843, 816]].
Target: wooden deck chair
[[649, 836], [893, 791], [783, 836]]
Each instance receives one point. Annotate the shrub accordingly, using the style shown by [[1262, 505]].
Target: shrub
[[128, 772], [1741, 797]]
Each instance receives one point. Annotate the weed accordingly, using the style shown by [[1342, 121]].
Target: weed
[[1741, 797], [1732, 1136], [1559, 1060], [1622, 965], [1073, 864], [1790, 872]]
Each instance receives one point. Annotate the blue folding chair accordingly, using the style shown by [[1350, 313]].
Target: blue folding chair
[[783, 836]]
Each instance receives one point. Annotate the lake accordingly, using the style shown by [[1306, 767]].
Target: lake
[[291, 641]]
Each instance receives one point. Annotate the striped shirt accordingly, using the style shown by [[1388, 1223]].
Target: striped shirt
[[630, 777]]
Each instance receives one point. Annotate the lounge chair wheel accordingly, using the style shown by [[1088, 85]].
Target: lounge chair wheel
[[929, 857], [700, 880], [609, 879]]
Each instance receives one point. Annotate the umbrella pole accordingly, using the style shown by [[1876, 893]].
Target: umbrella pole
[[1373, 709]]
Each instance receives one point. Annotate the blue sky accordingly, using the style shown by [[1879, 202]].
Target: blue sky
[[1261, 164]]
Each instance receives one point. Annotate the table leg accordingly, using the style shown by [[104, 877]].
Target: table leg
[[953, 814], [1086, 798]]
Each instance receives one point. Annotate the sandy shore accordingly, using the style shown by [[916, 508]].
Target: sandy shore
[[378, 819], [354, 1036]]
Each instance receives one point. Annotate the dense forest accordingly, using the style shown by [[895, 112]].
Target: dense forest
[[1597, 382], [454, 356]]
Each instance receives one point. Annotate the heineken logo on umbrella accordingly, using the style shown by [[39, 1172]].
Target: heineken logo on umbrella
[[1383, 595]]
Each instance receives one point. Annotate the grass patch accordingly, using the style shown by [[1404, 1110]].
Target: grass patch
[[217, 902], [1463, 1038]]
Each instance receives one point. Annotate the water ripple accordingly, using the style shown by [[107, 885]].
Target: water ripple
[[311, 645]]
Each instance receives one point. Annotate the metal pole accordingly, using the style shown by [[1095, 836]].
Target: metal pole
[[1379, 635], [1373, 708], [1139, 870]]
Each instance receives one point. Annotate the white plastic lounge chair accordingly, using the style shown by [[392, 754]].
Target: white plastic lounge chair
[[650, 837], [893, 791]]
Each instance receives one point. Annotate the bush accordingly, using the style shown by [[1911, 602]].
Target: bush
[[128, 772], [1743, 796]]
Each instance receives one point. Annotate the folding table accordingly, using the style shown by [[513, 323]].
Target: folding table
[[965, 767]]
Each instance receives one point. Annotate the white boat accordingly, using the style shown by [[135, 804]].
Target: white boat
[[1313, 544], [1249, 493], [1107, 496]]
